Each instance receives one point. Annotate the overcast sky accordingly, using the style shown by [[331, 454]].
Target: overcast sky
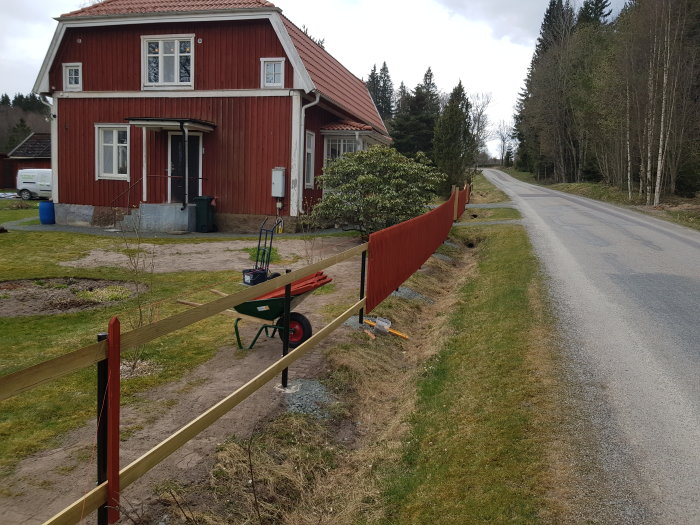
[[487, 44]]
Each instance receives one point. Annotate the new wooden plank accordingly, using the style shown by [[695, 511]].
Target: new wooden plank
[[82, 508], [23, 380], [161, 451]]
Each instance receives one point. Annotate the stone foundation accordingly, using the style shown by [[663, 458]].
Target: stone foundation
[[235, 223], [160, 218]]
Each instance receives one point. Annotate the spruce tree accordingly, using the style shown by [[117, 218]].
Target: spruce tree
[[372, 84], [594, 12], [385, 101], [453, 139], [414, 125], [5, 100], [17, 134], [403, 98]]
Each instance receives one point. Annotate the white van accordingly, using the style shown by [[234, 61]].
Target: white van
[[34, 183]]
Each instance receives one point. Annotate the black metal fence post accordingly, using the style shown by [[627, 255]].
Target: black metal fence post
[[102, 411], [363, 272], [285, 338]]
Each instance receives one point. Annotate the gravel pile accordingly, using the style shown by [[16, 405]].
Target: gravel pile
[[311, 397], [405, 292]]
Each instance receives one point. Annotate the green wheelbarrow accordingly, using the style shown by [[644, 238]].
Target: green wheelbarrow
[[270, 308]]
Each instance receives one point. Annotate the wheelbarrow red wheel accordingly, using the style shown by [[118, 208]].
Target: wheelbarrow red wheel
[[299, 329]]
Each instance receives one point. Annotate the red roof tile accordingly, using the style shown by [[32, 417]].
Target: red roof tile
[[127, 7], [346, 125], [334, 81]]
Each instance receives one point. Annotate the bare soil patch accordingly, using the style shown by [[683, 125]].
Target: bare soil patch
[[60, 296], [213, 256]]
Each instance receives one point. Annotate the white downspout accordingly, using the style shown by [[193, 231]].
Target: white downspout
[[302, 149], [53, 116]]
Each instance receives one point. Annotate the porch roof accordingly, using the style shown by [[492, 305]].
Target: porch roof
[[174, 124]]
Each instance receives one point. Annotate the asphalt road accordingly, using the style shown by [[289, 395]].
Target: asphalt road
[[626, 288]]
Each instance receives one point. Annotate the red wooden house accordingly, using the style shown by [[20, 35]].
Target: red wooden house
[[158, 102]]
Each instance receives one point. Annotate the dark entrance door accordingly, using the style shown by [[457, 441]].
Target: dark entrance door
[[177, 167]]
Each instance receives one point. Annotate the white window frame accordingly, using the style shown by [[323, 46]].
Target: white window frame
[[344, 139], [99, 152], [66, 75], [263, 66], [310, 162], [145, 84]]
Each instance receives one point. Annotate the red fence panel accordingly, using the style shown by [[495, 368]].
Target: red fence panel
[[462, 200], [395, 253]]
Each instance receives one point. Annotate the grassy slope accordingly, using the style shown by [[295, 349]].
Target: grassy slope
[[615, 195], [477, 450], [476, 453]]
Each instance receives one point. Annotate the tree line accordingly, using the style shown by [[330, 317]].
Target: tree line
[[450, 130], [18, 117], [31, 103], [615, 100]]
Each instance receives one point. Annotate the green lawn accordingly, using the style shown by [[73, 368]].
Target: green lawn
[[16, 209], [33, 420]]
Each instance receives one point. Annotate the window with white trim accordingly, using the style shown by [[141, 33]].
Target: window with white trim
[[112, 155], [338, 146], [73, 77], [272, 72], [168, 61], [309, 159]]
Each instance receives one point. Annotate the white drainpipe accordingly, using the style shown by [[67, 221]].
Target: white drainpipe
[[302, 150]]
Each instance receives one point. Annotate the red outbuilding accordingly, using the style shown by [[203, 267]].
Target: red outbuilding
[[157, 103]]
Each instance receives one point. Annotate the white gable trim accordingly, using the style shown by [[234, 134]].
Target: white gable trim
[[302, 79]]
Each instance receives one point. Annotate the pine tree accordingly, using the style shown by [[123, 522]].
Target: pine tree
[[453, 139], [5, 100], [385, 101]]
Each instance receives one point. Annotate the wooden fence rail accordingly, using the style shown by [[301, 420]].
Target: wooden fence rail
[[29, 378], [96, 497]]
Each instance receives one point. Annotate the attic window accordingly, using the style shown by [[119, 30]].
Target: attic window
[[272, 72], [73, 77], [168, 61]]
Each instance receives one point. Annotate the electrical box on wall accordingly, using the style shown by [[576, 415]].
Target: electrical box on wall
[[278, 182]]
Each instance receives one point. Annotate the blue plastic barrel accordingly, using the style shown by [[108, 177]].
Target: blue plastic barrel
[[46, 212]]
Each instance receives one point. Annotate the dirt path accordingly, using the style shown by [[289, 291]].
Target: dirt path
[[47, 482]]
